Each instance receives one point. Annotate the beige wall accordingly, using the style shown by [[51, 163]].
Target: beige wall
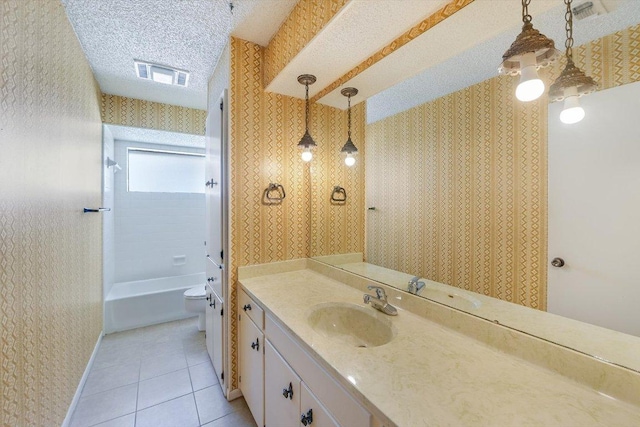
[[50, 252], [119, 110], [265, 129], [460, 183]]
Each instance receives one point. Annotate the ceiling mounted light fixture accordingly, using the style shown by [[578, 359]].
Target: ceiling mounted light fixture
[[572, 82], [161, 73], [306, 143], [527, 54], [349, 148]]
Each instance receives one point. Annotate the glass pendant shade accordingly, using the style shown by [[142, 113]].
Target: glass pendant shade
[[528, 53], [306, 142], [572, 82], [349, 147]]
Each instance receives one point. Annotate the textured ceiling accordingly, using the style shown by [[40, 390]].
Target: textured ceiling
[[481, 62], [152, 136], [185, 34]]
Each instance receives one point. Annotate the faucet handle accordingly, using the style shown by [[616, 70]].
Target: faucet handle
[[380, 293]]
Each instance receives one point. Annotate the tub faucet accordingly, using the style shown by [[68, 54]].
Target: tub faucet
[[415, 286], [379, 302]]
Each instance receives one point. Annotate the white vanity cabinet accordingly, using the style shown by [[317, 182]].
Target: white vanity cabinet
[[214, 331], [285, 386], [251, 355]]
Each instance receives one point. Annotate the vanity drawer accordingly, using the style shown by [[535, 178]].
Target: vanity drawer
[[344, 408], [248, 307]]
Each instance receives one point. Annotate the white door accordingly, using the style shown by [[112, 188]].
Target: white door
[[251, 361], [313, 412], [217, 338], [213, 192], [281, 391], [594, 211]]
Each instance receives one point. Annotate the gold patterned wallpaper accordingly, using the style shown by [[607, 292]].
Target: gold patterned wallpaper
[[307, 19], [460, 183], [50, 252], [265, 129], [123, 111]]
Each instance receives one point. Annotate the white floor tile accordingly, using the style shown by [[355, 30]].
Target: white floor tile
[[117, 355], [180, 412], [241, 417], [212, 404], [105, 406], [197, 355], [111, 377], [202, 376], [126, 421], [153, 366], [163, 388]]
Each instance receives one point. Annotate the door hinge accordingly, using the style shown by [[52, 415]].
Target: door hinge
[[221, 254], [221, 105], [222, 376], [239, 378], [221, 311]]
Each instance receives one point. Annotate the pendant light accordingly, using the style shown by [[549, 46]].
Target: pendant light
[[527, 54], [572, 82], [349, 148], [306, 143]]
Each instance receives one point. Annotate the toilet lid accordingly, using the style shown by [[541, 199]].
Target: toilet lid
[[197, 292]]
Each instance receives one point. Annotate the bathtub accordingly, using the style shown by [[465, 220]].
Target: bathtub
[[146, 302]]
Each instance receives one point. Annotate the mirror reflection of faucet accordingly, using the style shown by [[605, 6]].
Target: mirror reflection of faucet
[[415, 286]]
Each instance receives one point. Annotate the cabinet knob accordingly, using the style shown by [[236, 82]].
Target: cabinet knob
[[307, 418], [246, 307], [212, 279], [208, 298], [210, 183], [288, 392], [212, 303], [256, 345]]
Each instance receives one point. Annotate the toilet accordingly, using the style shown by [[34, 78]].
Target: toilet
[[194, 302]]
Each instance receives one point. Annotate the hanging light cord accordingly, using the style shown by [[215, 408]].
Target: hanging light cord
[[306, 107], [568, 26], [526, 18], [349, 115]]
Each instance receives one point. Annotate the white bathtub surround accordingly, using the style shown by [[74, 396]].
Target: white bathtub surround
[[156, 234], [146, 302], [158, 375]]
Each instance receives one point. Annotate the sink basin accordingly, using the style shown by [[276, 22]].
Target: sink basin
[[351, 324]]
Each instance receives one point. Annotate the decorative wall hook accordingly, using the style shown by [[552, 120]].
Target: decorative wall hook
[[274, 194], [338, 196]]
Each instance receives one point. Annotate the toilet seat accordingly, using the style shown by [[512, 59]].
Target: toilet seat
[[197, 292]]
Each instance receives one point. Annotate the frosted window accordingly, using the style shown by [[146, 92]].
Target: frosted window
[[165, 172]]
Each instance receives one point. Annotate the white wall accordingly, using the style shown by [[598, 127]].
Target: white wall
[[153, 228], [108, 222]]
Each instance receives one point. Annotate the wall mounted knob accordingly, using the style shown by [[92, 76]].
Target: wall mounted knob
[[247, 307], [557, 262]]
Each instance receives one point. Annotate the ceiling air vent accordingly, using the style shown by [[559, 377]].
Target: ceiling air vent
[[161, 73], [588, 9]]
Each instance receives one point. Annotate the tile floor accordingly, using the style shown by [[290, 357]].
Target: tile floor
[[156, 376]]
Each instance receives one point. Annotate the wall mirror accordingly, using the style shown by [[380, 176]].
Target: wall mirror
[[589, 216]]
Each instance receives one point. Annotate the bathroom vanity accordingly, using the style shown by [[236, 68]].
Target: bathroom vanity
[[312, 353]]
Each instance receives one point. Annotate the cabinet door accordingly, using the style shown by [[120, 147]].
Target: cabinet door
[[312, 410], [209, 322], [217, 338], [251, 354], [281, 391]]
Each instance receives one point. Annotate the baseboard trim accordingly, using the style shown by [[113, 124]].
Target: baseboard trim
[[234, 394], [83, 380]]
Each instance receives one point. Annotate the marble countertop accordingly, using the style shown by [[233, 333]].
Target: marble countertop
[[429, 375]]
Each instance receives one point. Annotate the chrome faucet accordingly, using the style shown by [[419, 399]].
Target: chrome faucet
[[379, 302], [415, 286]]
